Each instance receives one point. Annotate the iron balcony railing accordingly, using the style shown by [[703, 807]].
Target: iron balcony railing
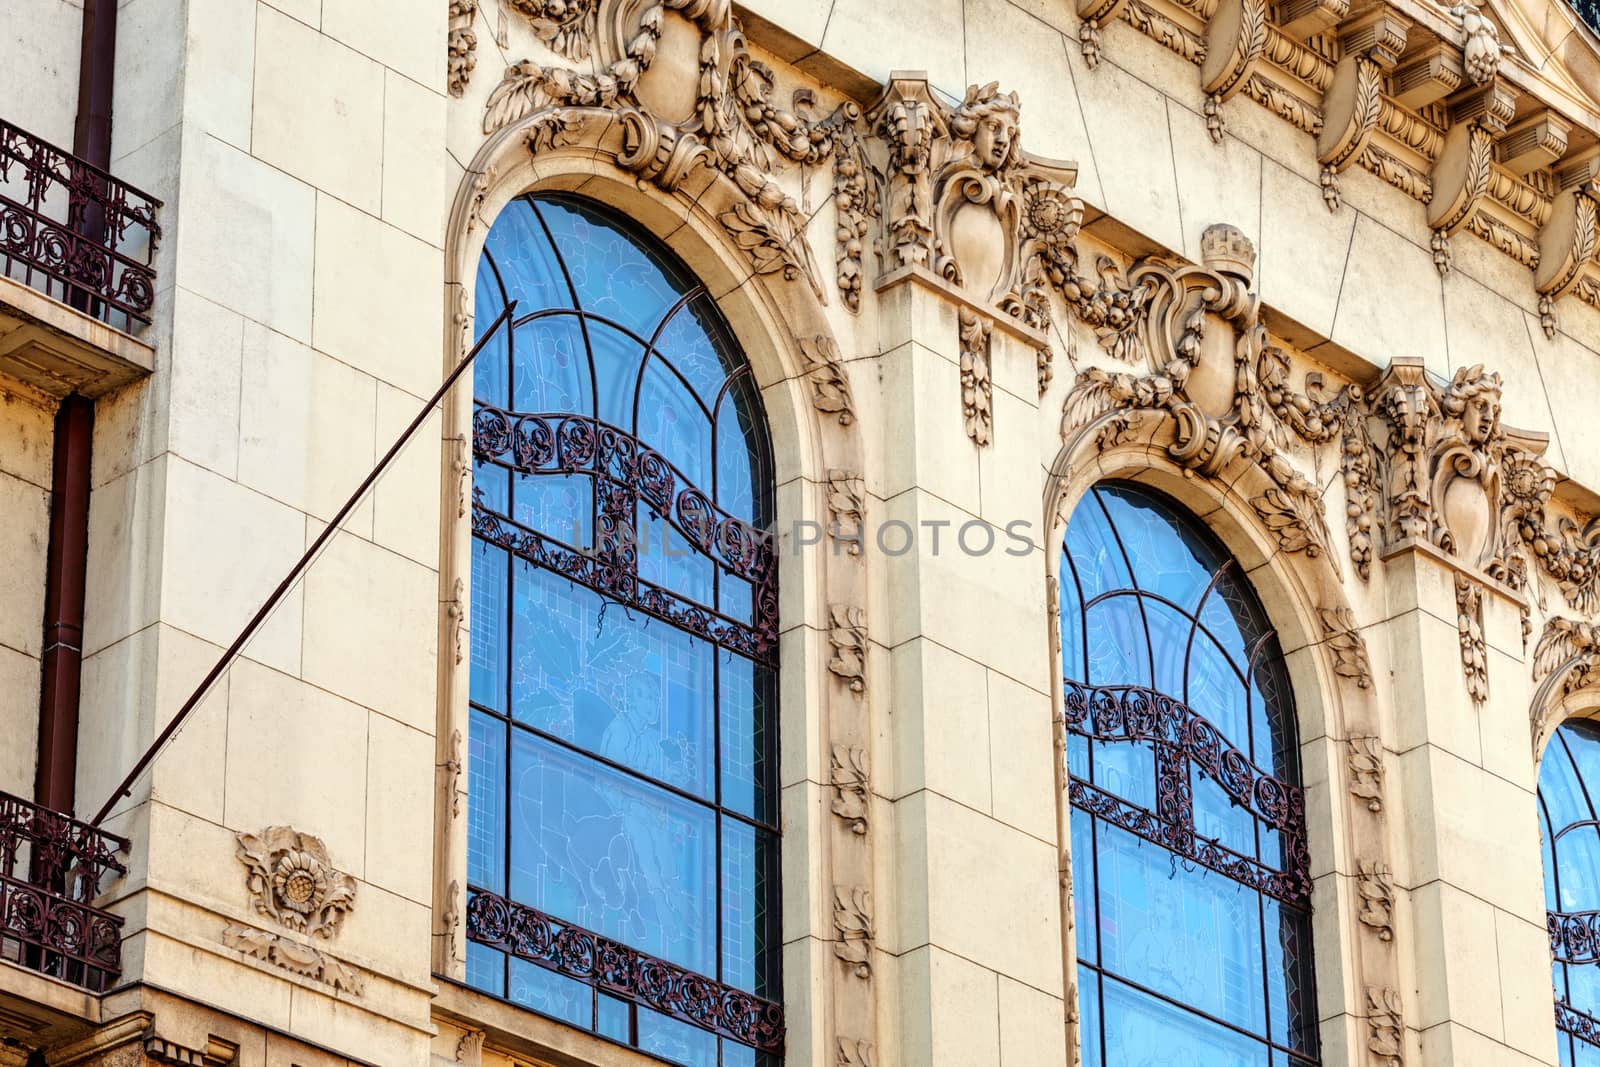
[[51, 870], [75, 232]]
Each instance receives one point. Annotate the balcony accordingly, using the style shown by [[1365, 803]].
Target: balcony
[[51, 870], [77, 274]]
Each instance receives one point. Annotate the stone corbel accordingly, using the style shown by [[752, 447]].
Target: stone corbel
[[1427, 76], [910, 122], [1372, 42], [1461, 173], [1568, 240], [1236, 37], [1301, 20]]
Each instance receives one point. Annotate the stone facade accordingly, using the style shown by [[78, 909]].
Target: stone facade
[[1327, 274]]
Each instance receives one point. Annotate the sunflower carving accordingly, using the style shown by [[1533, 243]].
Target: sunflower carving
[[292, 880]]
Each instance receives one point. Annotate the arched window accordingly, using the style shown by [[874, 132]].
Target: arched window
[[1569, 823], [1190, 869], [622, 808]]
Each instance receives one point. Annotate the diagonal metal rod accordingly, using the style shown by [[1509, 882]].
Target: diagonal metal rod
[[125, 788]]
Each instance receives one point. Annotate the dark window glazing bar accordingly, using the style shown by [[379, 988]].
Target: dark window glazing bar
[[74, 232], [51, 868], [614, 968]]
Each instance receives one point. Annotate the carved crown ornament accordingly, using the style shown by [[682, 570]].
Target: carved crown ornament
[[1421, 459], [1421, 95]]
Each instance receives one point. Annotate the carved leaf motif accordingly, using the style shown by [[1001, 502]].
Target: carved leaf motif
[[849, 777], [1375, 884], [1348, 647], [1290, 520], [852, 921], [1474, 649], [1385, 1026], [855, 1052], [291, 880], [846, 508], [567, 26], [469, 1048], [824, 368], [976, 389], [847, 633], [1366, 770]]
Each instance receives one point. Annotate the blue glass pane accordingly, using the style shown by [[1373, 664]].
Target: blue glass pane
[[1167, 559], [617, 360], [527, 267], [749, 863], [491, 371], [736, 478], [1094, 551], [551, 994], [1126, 769], [612, 1019], [492, 485], [486, 969], [690, 342], [624, 685], [1578, 853], [601, 849], [560, 505], [673, 423], [1085, 910], [1273, 731], [1089, 1021], [1218, 818], [1169, 643], [1216, 692], [736, 598], [1192, 935], [1141, 1031], [745, 692], [669, 559], [550, 367], [486, 803], [676, 1042], [487, 685], [1078, 755], [1072, 665], [737, 1055], [1118, 652], [1230, 613], [613, 274]]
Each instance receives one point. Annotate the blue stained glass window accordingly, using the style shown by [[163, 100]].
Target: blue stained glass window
[[1569, 826], [1182, 957], [622, 758]]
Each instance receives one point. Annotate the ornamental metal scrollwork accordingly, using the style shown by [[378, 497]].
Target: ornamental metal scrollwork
[[610, 966]]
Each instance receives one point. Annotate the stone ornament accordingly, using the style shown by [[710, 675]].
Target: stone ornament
[[855, 1052], [1566, 659], [469, 1048], [847, 503], [1474, 650], [1214, 379], [292, 881], [824, 370], [1375, 886], [1480, 43], [848, 774], [977, 396], [1365, 760], [847, 634], [1386, 1027], [852, 922], [678, 113], [462, 44], [1347, 645]]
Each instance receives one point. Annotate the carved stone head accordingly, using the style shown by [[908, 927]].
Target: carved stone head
[[1474, 399], [989, 119]]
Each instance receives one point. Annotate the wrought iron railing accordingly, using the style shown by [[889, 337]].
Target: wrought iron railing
[[75, 232], [633, 976], [51, 870]]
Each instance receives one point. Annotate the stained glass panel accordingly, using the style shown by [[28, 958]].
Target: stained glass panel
[[622, 759], [1569, 829], [1188, 955]]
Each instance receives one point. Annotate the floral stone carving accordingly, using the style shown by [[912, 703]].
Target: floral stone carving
[[292, 881], [675, 117]]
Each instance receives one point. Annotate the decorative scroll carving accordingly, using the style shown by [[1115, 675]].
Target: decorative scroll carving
[[824, 369], [1345, 642], [1566, 243], [847, 633], [849, 776], [1224, 389], [293, 956], [852, 921], [1236, 36], [674, 121], [847, 503], [462, 45], [1566, 659], [977, 408], [1474, 650], [1365, 759], [451, 918], [1156, 25], [1375, 886], [1386, 1027], [292, 881]]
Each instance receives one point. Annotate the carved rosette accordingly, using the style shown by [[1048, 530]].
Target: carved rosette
[[292, 881]]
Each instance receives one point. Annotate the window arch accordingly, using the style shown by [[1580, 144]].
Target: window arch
[[1190, 868], [1569, 829], [622, 799]]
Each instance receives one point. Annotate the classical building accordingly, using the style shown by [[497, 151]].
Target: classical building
[[857, 533]]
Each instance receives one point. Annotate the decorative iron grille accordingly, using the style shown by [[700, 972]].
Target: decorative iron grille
[[51, 869], [637, 977], [75, 232]]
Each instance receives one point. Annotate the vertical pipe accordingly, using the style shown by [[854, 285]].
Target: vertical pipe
[[61, 668], [63, 605]]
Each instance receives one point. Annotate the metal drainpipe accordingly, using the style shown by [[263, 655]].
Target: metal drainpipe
[[68, 555]]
